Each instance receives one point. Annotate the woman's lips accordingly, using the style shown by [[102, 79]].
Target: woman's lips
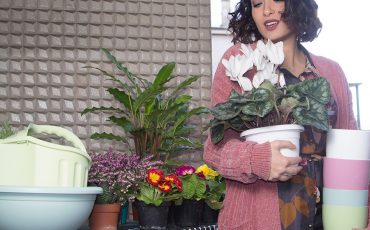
[[271, 24]]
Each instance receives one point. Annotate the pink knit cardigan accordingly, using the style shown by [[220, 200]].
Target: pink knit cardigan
[[251, 202]]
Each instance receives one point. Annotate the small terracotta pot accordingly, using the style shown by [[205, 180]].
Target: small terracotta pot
[[104, 217]]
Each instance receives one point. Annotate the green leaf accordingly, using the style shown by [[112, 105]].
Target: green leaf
[[225, 111], [315, 115], [164, 74], [316, 88], [260, 109], [188, 186], [122, 122], [238, 124], [217, 132], [119, 66], [107, 136], [122, 97], [100, 109], [288, 104], [184, 84]]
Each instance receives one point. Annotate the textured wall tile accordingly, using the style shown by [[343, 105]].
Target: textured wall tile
[[45, 45]]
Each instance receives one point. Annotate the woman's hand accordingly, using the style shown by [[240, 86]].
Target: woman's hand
[[283, 168]]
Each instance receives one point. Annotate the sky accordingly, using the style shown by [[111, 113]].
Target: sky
[[343, 39]]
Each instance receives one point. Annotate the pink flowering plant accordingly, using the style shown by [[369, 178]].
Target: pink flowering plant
[[193, 184], [118, 174], [265, 99]]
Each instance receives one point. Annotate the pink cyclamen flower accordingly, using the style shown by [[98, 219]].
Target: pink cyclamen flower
[[184, 170]]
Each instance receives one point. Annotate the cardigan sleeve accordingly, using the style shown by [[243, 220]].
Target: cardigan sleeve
[[232, 157], [346, 118], [332, 71]]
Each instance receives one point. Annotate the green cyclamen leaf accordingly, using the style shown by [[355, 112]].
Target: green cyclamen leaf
[[316, 88], [225, 111], [260, 109], [316, 116], [217, 132]]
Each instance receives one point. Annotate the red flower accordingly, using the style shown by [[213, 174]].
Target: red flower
[[170, 177], [201, 175], [165, 186], [154, 176], [178, 184]]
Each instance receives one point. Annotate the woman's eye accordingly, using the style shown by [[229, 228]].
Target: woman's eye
[[257, 4]]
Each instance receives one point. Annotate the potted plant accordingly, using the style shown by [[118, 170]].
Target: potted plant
[[152, 114], [266, 100], [119, 175], [156, 192], [188, 206], [214, 194]]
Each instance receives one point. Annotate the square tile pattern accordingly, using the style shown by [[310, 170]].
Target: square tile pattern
[[44, 46]]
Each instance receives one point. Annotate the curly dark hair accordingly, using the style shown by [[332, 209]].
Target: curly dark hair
[[300, 16]]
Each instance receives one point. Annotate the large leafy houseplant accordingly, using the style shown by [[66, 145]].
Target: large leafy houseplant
[[265, 99], [118, 174], [154, 115]]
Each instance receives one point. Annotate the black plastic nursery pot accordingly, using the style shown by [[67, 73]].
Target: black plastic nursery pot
[[151, 216], [189, 213], [210, 216]]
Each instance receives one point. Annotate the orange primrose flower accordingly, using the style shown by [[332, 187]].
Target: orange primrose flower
[[165, 186], [154, 176], [174, 180]]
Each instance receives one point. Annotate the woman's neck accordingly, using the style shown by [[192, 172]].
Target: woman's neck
[[295, 59]]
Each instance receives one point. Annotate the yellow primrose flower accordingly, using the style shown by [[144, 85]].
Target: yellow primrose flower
[[207, 172]]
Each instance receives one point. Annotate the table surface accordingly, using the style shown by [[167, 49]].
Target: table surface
[[135, 226]]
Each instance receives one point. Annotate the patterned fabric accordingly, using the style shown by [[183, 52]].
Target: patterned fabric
[[300, 198]]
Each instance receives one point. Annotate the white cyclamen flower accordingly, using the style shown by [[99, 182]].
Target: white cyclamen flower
[[282, 82], [236, 67], [274, 52], [265, 74]]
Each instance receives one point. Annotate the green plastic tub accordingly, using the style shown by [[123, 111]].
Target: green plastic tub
[[28, 161]]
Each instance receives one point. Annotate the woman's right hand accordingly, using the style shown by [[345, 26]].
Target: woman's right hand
[[283, 168]]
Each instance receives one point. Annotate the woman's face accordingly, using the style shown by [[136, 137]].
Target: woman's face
[[267, 16]]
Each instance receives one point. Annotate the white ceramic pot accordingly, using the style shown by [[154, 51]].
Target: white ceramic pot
[[348, 144], [290, 132]]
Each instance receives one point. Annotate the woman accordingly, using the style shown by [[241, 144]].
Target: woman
[[266, 190]]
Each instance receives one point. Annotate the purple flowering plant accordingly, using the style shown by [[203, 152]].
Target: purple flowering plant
[[118, 174], [202, 183], [194, 184]]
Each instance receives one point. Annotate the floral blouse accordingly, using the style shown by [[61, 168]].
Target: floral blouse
[[300, 199]]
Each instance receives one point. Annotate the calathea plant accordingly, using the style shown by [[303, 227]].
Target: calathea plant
[[154, 115], [266, 100]]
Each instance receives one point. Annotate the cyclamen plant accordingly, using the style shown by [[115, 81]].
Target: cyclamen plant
[[118, 174], [266, 99]]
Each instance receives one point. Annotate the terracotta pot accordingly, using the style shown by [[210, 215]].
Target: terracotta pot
[[104, 217]]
